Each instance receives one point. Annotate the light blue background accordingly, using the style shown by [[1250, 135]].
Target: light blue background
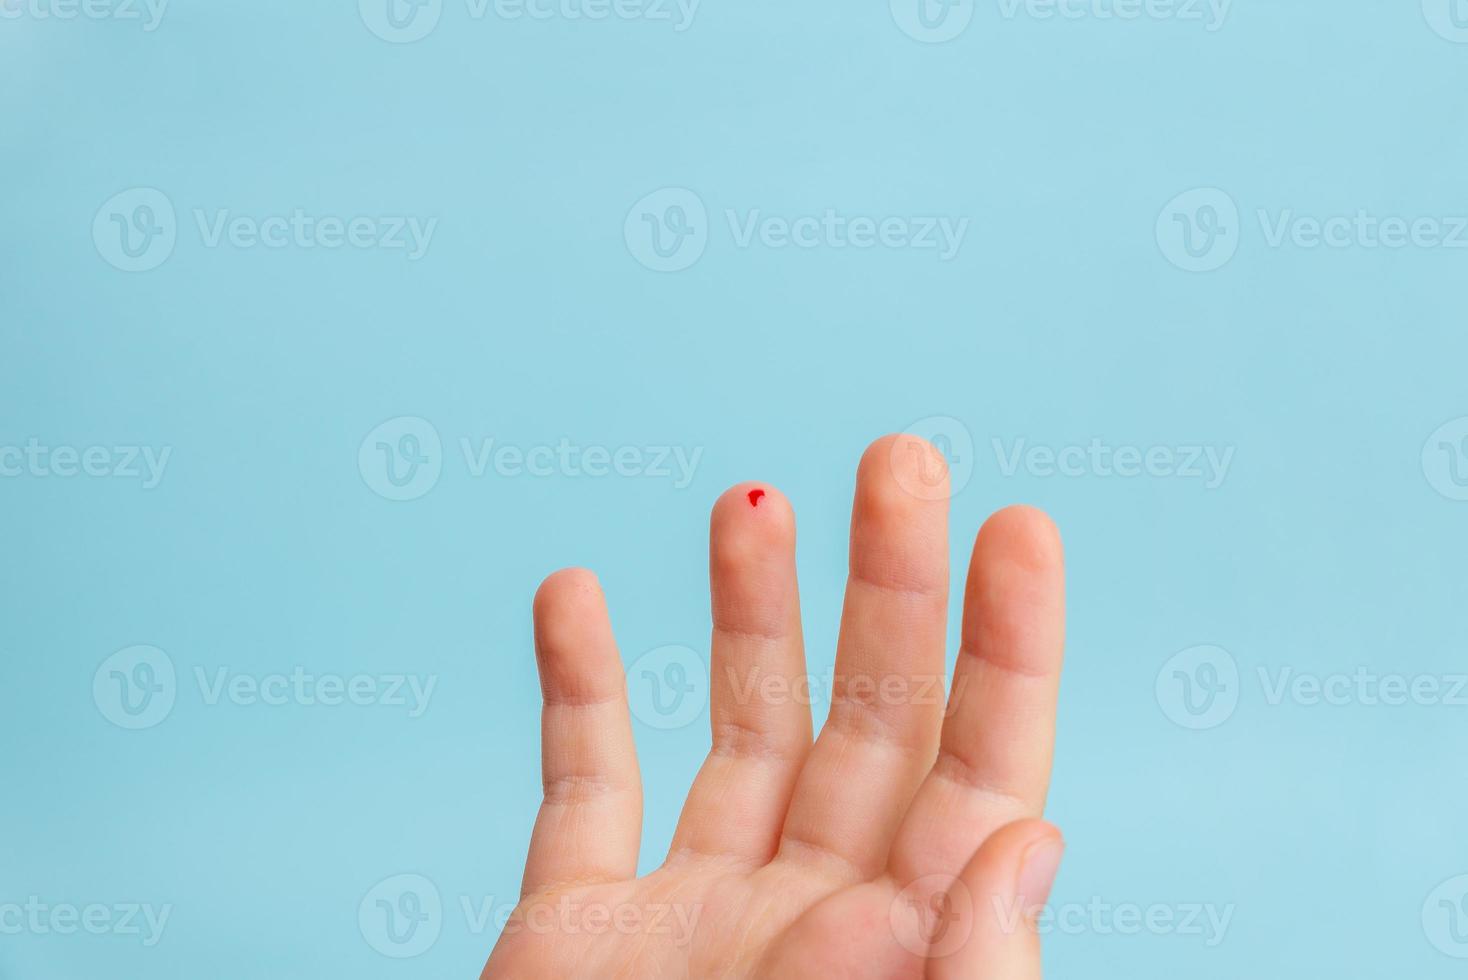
[[529, 320]]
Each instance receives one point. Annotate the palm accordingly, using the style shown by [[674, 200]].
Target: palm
[[858, 854]]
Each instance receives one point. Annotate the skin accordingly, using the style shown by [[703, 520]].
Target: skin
[[903, 842]]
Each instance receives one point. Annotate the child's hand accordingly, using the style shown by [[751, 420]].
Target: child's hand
[[905, 842]]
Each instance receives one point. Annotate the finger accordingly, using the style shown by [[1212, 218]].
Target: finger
[[759, 709], [1004, 886], [993, 762], [886, 699], [590, 822]]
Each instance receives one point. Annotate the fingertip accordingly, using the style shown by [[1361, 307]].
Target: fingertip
[[1007, 882], [753, 510], [565, 585], [573, 638], [1016, 863], [568, 594], [1038, 865], [899, 518], [904, 468], [1023, 534], [752, 561]]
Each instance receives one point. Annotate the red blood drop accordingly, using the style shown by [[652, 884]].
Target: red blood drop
[[754, 496]]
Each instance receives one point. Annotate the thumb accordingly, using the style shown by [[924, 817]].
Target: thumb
[[1004, 884]]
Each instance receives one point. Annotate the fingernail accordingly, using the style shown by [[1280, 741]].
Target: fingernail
[[1038, 867]]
